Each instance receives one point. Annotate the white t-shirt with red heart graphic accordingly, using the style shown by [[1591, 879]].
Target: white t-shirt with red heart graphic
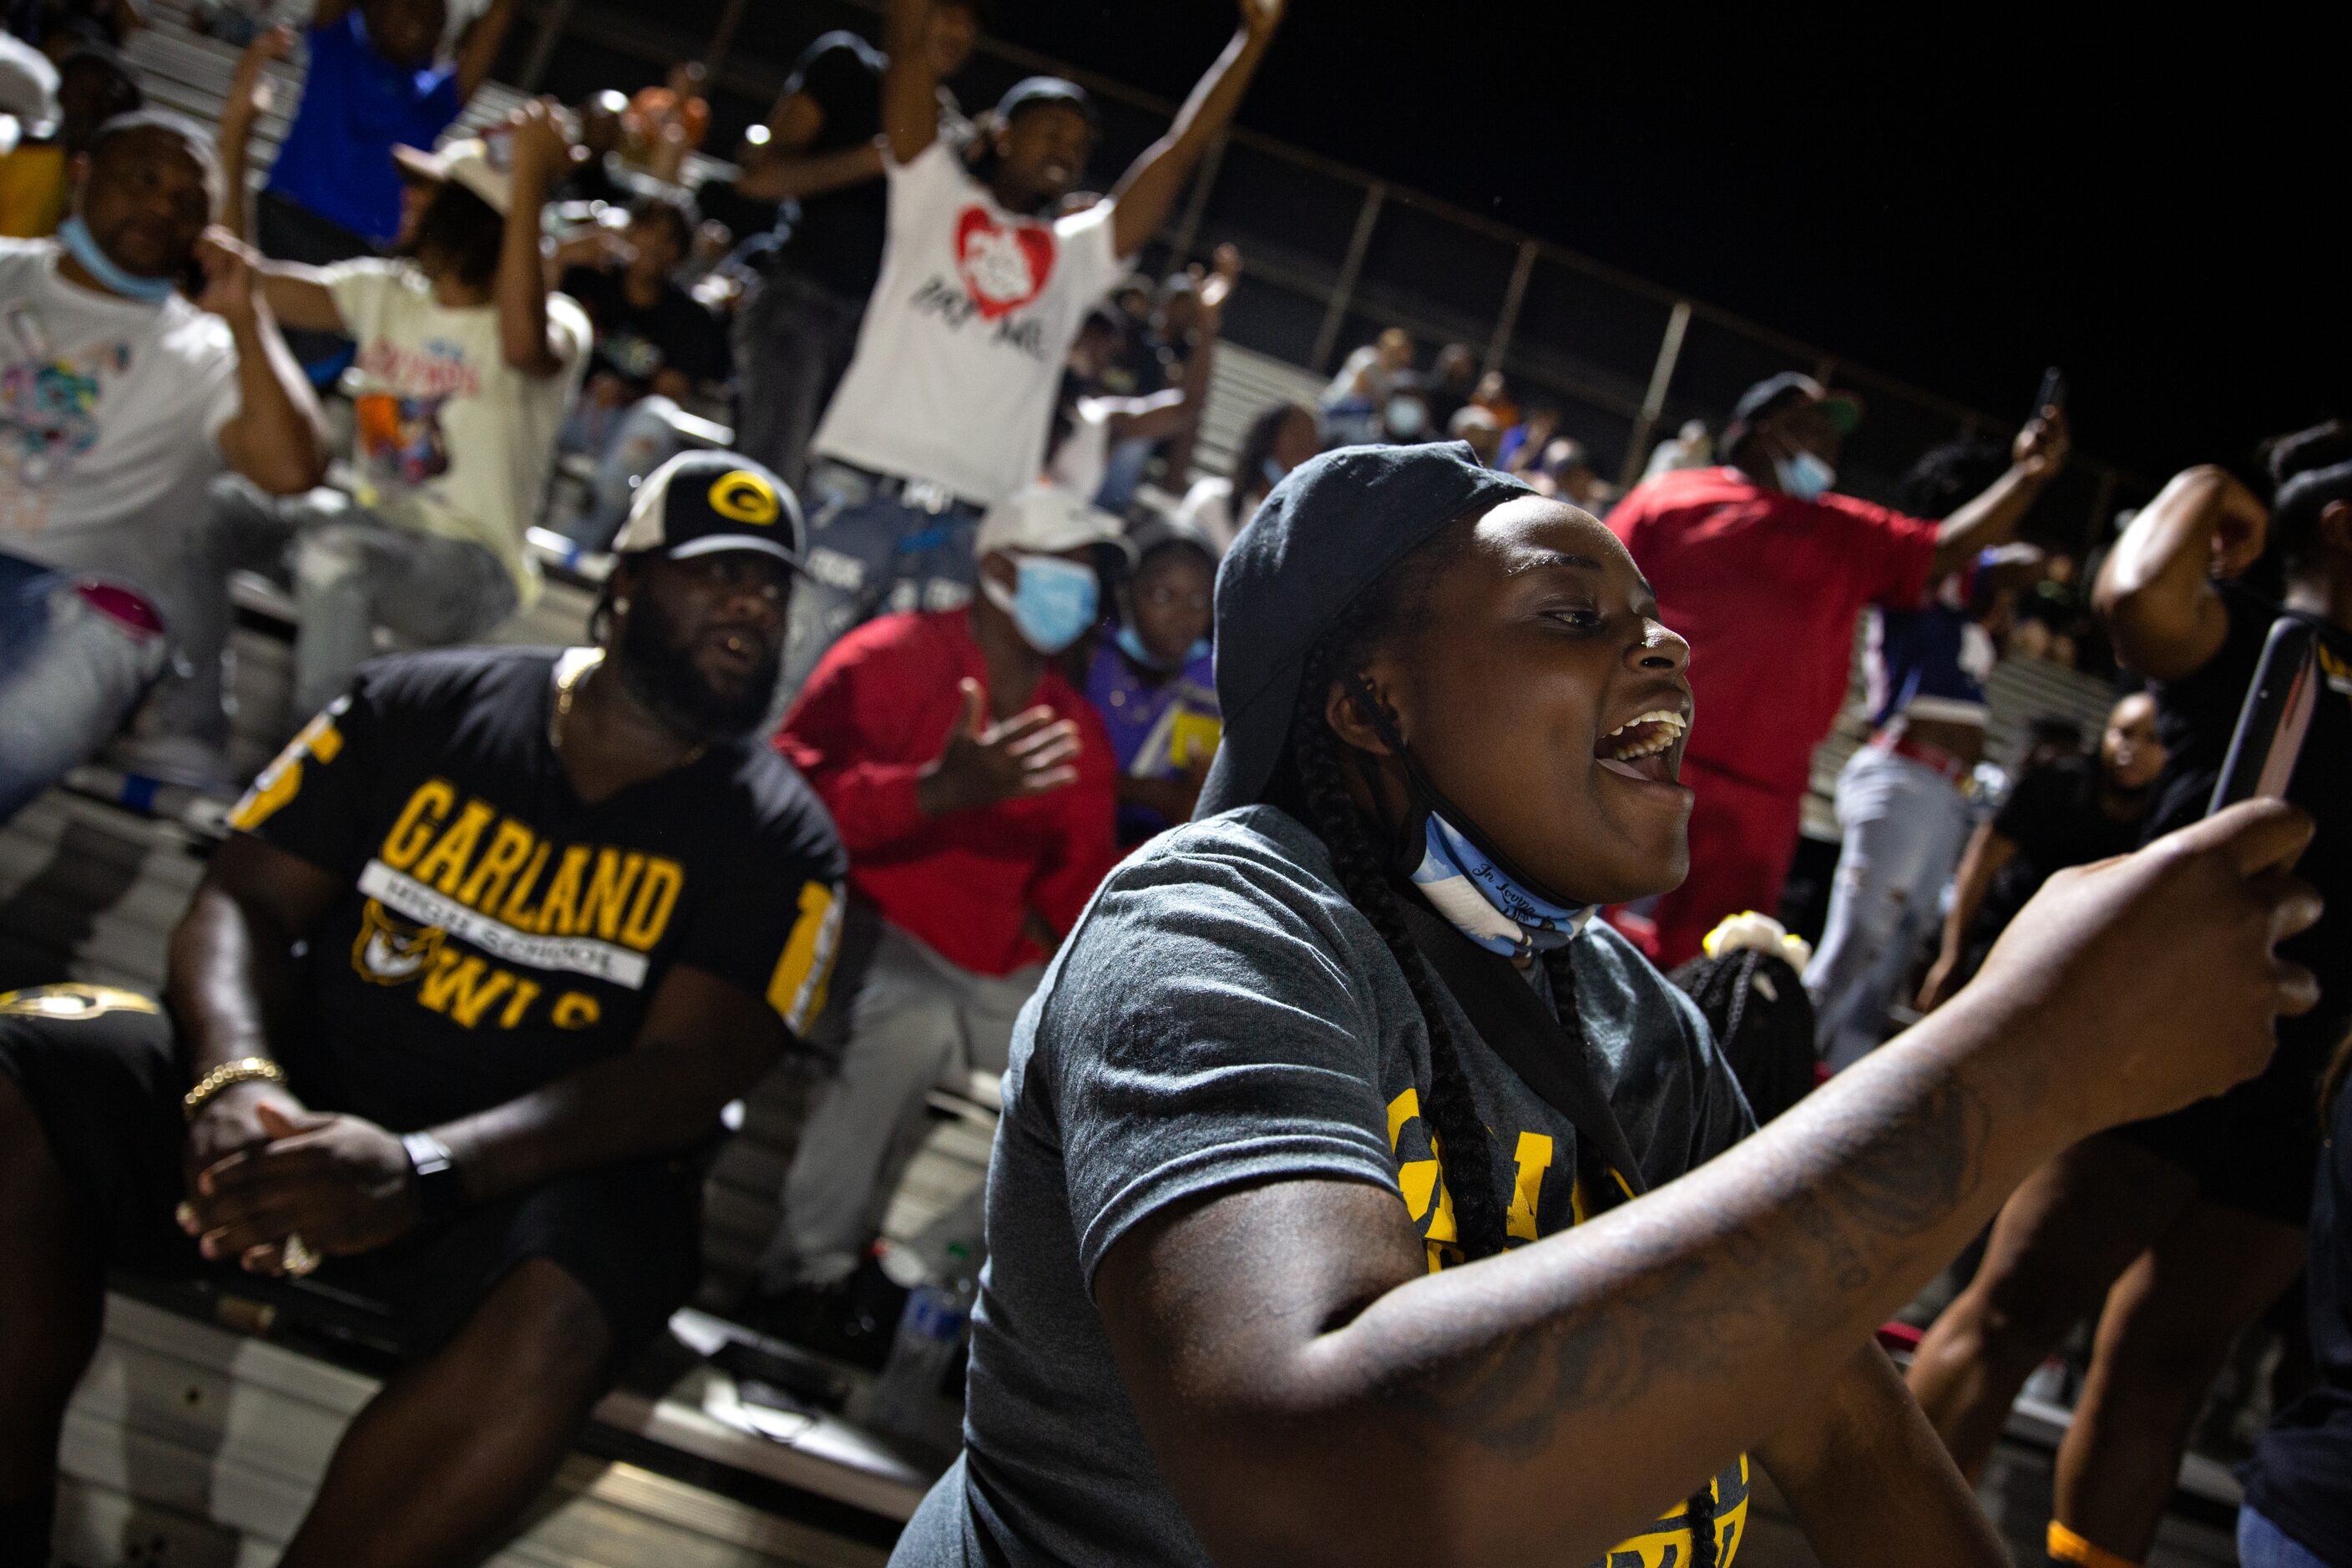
[[961, 355]]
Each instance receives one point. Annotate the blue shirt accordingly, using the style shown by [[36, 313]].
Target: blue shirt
[[356, 107], [1929, 661]]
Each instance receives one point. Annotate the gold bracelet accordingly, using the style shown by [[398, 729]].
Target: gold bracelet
[[245, 1070]]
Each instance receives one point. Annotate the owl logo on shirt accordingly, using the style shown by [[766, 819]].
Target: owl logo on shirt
[[389, 951], [1004, 266]]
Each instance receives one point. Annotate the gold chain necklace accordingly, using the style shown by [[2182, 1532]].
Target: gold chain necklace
[[567, 686]]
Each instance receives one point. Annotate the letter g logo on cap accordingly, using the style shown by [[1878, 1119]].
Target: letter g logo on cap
[[742, 496]]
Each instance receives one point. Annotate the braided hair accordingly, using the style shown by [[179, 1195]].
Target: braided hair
[[1391, 607], [1755, 1007]]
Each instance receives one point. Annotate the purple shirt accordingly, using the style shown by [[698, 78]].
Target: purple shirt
[[1155, 728]]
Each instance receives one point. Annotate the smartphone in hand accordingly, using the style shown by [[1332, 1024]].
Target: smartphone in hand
[[2276, 716], [2052, 394]]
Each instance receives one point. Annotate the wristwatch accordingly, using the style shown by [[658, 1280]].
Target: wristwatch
[[440, 1188]]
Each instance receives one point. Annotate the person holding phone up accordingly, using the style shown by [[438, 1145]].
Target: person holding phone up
[[2196, 1219]]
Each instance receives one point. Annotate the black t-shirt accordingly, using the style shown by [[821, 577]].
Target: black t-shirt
[[634, 341], [835, 237], [591, 180], [2054, 819], [2301, 1477], [495, 931], [2195, 717], [747, 219]]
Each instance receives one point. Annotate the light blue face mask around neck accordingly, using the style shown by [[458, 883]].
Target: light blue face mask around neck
[[1805, 476], [83, 246], [1131, 643], [1486, 904]]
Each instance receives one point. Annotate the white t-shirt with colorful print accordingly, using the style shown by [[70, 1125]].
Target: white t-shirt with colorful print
[[110, 409], [961, 352], [451, 438]]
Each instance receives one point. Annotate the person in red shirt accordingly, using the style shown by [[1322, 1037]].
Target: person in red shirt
[[974, 790], [1762, 569]]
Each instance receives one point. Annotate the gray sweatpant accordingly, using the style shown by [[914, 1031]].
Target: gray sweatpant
[[352, 571], [917, 1019]]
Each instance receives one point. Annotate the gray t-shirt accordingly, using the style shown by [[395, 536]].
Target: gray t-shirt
[[1223, 1013]]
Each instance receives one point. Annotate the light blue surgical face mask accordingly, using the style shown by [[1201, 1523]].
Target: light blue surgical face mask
[[1273, 470], [76, 238], [1406, 416], [1486, 904], [1805, 476], [1131, 643], [1052, 603]]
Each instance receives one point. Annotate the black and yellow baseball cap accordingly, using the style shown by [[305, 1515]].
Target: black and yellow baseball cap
[[702, 502]]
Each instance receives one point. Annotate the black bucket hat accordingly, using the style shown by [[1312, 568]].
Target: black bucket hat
[[1321, 537]]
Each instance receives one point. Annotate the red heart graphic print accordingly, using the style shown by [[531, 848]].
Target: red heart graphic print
[[1004, 266]]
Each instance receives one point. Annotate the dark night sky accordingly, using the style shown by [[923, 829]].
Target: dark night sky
[[1956, 204]]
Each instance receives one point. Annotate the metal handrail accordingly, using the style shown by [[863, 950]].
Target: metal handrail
[[559, 18]]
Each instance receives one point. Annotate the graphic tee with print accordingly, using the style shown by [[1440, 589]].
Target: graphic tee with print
[[1225, 1015], [110, 411], [451, 438], [961, 355], [492, 931]]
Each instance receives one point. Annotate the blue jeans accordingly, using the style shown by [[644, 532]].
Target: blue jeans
[[72, 669], [1905, 824], [2261, 1544], [628, 444], [1123, 475], [869, 556]]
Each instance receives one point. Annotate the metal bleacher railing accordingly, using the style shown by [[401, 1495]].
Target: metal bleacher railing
[[1335, 254]]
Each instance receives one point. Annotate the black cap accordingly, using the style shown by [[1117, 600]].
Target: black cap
[[1031, 91], [702, 502], [1779, 391], [1320, 537]]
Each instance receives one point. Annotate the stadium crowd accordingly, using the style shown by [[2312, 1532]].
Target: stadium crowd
[[1357, 864]]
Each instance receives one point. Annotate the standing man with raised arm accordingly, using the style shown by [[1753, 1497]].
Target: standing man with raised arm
[[797, 325], [375, 81], [946, 406], [1762, 567]]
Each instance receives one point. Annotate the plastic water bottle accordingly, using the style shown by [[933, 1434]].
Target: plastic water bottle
[[909, 1402]]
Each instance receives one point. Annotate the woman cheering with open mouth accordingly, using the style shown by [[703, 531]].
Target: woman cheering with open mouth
[[1309, 1221]]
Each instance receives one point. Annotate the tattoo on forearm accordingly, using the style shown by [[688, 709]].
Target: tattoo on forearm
[[1883, 1171]]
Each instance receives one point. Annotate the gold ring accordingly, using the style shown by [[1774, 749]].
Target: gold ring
[[294, 1255]]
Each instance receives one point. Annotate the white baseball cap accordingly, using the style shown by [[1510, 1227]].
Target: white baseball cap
[[1046, 519], [28, 92], [468, 162]]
